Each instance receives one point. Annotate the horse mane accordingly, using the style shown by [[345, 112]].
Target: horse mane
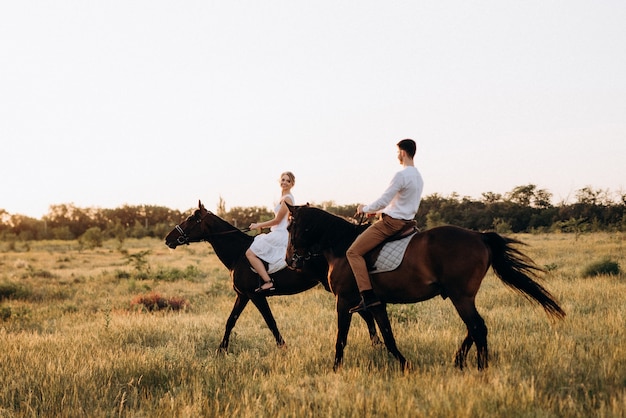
[[338, 233], [229, 242], [222, 224]]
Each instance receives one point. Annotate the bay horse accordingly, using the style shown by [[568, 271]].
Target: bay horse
[[230, 245], [446, 261]]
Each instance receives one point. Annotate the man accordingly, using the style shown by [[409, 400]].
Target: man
[[398, 205]]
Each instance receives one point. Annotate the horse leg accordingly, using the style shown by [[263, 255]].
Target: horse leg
[[240, 305], [380, 314], [371, 327], [460, 359], [343, 326], [261, 304], [476, 331]]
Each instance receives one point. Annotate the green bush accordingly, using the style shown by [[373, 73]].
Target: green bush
[[43, 274], [190, 273], [606, 266], [139, 261], [5, 313], [10, 290], [121, 274], [92, 238]]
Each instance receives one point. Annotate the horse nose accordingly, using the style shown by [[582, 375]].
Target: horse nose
[[170, 243]]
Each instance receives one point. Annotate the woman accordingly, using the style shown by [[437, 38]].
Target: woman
[[271, 247]]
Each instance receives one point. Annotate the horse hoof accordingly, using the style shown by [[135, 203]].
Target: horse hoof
[[459, 362]]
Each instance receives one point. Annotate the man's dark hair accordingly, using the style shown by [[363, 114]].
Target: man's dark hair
[[409, 146]]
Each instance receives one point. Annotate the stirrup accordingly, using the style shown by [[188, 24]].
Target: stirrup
[[363, 306], [269, 289]]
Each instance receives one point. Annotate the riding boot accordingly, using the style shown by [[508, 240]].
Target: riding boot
[[368, 300]]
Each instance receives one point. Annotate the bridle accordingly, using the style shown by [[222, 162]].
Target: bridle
[[311, 253], [183, 238], [297, 258]]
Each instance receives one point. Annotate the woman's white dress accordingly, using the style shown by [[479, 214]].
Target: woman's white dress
[[272, 247]]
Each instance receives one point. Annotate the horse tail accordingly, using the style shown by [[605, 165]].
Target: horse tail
[[516, 270]]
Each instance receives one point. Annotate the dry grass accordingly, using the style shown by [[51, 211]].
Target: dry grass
[[72, 345]]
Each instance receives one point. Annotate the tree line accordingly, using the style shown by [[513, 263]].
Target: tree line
[[524, 209]]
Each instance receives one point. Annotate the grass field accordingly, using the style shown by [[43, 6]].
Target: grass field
[[73, 344]]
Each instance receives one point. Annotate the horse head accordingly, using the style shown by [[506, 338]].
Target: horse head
[[304, 237], [190, 230]]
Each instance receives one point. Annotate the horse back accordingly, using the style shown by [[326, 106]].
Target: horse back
[[443, 261], [451, 251]]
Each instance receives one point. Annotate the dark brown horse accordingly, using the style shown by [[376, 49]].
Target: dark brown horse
[[230, 245], [447, 261]]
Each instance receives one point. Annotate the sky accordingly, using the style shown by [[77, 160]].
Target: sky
[[112, 103]]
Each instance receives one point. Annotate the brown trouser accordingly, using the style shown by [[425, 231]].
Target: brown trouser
[[368, 240]]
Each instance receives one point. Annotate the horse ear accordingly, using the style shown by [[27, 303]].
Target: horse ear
[[200, 205]]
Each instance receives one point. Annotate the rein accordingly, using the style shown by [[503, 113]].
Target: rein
[[362, 217], [183, 238]]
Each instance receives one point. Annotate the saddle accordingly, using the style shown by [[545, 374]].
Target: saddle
[[408, 229], [388, 255]]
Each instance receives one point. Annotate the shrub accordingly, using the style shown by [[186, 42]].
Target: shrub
[[606, 266], [5, 313], [121, 274], [551, 267], [139, 261], [10, 290], [155, 302], [190, 273], [501, 226], [177, 303], [42, 274], [92, 238]]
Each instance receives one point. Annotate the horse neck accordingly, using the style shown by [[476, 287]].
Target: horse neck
[[339, 235], [228, 242]]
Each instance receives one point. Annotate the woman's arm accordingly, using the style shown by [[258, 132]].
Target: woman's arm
[[280, 215]]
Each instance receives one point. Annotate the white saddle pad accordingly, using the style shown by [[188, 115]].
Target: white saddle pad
[[391, 255]]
